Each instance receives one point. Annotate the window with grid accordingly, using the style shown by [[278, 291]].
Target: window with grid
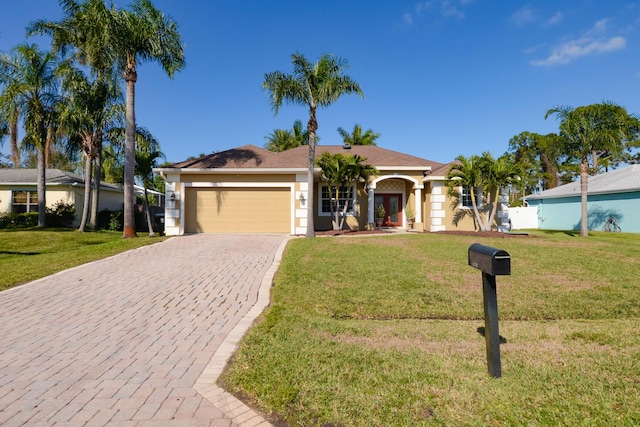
[[465, 198], [346, 195], [24, 201]]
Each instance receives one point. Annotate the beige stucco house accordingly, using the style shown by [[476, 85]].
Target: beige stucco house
[[250, 189], [18, 191]]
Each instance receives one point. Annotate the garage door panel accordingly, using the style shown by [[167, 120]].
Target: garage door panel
[[238, 210]]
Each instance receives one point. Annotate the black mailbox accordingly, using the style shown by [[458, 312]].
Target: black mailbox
[[490, 260]]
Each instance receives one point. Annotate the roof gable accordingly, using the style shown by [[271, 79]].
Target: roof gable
[[617, 181]]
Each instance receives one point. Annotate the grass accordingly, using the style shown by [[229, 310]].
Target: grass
[[27, 255], [382, 331]]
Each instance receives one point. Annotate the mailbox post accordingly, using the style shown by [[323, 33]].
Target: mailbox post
[[492, 262]]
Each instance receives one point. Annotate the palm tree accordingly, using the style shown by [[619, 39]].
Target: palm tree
[[91, 107], [30, 81], [10, 118], [283, 139], [497, 174], [87, 29], [342, 171], [466, 173], [485, 176], [142, 34], [357, 137], [591, 131], [313, 85], [145, 162]]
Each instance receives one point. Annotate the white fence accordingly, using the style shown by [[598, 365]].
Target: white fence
[[523, 217]]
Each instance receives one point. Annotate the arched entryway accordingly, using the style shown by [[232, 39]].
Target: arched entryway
[[391, 192]]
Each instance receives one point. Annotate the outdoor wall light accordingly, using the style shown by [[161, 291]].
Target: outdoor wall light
[[173, 197], [301, 198]]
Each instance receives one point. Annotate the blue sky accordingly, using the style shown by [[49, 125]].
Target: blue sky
[[441, 78]]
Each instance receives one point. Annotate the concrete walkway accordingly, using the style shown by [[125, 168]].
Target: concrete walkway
[[137, 339]]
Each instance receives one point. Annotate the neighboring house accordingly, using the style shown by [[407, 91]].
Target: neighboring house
[[250, 189], [613, 194], [18, 191]]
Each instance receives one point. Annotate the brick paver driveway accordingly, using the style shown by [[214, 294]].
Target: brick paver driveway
[[137, 339]]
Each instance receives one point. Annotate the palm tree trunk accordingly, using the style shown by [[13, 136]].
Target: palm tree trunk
[[97, 177], [129, 159], [41, 186], [87, 193], [494, 209], [15, 152], [312, 126], [476, 213], [49, 147], [584, 179], [146, 208]]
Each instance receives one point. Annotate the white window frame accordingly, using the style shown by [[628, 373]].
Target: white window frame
[[321, 199], [464, 193], [31, 207]]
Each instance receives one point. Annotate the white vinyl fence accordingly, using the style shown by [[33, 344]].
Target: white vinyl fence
[[523, 217]]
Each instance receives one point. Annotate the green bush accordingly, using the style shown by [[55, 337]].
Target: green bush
[[22, 220], [110, 220], [60, 215]]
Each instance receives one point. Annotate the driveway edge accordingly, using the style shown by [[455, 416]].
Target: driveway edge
[[239, 413]]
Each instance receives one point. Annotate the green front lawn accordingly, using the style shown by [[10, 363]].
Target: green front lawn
[[27, 255], [383, 331]]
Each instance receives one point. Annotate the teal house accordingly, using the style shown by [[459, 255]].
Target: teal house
[[613, 194]]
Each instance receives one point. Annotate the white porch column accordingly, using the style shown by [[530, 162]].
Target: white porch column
[[418, 194], [371, 207]]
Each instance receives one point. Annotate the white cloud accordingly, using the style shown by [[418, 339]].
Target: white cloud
[[407, 19], [589, 43], [556, 19], [522, 16], [446, 8]]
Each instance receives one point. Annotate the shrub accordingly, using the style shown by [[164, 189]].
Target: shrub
[[110, 220], [61, 215], [21, 220]]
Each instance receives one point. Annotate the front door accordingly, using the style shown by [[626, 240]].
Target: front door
[[393, 205]]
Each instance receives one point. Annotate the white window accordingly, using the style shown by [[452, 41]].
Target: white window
[[24, 201], [346, 195], [465, 198]]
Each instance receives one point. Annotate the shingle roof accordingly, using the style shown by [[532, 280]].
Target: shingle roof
[[53, 176], [250, 156], [245, 157], [617, 181]]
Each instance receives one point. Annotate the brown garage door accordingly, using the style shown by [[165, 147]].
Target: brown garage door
[[238, 210]]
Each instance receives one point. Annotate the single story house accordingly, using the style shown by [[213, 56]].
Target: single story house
[[613, 194], [250, 189], [18, 191]]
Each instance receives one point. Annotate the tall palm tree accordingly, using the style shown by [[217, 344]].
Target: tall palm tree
[[142, 34], [32, 84], [312, 85], [339, 170], [356, 137], [91, 107], [86, 29], [592, 131]]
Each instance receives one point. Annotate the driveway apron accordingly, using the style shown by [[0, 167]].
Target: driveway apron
[[137, 339]]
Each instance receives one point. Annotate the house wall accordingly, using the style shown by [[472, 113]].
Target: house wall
[[565, 213], [176, 185], [68, 194]]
